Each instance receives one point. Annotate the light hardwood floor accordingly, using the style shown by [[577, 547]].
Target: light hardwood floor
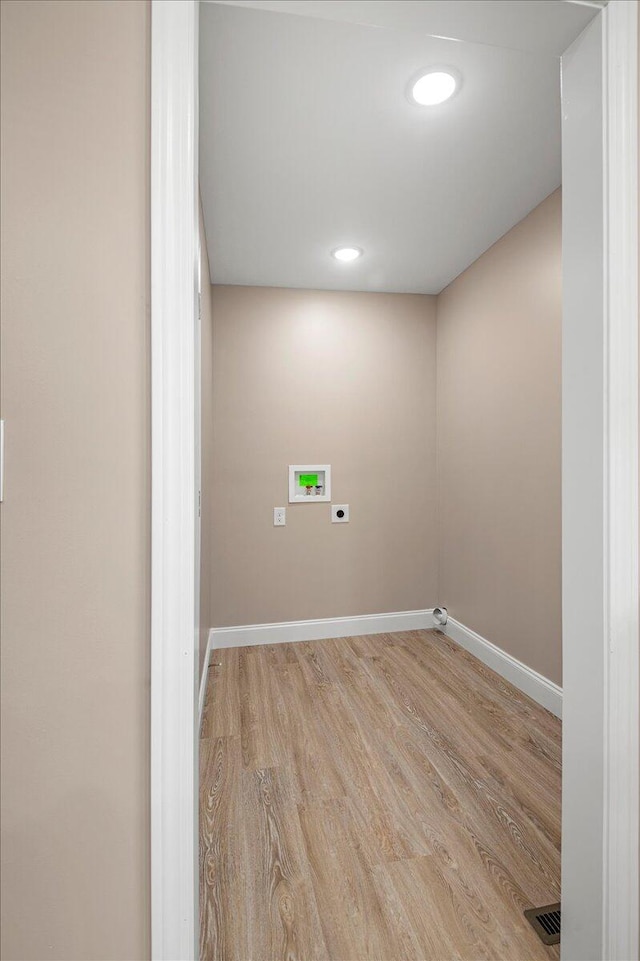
[[384, 797]]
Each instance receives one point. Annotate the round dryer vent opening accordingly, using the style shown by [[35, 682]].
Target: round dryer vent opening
[[440, 616]]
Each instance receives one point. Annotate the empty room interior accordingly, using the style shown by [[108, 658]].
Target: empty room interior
[[319, 480], [380, 556]]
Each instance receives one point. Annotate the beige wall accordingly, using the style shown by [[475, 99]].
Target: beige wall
[[350, 379], [75, 520], [499, 328], [206, 443], [322, 377]]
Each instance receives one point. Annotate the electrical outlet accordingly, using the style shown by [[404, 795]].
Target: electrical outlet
[[279, 516], [339, 513]]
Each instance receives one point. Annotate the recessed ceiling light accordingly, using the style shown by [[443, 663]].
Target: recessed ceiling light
[[346, 254], [433, 86]]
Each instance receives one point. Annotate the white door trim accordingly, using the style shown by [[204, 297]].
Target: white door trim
[[621, 802], [174, 229], [600, 491]]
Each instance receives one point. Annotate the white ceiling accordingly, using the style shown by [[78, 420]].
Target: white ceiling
[[544, 26], [307, 141]]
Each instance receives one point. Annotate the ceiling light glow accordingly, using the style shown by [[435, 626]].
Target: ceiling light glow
[[433, 87], [346, 254]]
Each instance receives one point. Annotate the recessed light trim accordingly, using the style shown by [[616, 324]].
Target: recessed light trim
[[347, 254], [433, 86]]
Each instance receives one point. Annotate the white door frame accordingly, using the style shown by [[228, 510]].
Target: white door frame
[[600, 490], [174, 660], [621, 639], [174, 231]]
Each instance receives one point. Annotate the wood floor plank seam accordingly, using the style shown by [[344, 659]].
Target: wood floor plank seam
[[376, 798]]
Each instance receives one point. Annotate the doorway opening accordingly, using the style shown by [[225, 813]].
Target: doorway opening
[[614, 867]]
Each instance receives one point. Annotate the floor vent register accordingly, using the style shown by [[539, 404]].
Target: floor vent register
[[545, 922]]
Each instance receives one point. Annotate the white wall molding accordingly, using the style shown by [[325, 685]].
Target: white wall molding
[[621, 696], [538, 687], [316, 630], [174, 659], [203, 679]]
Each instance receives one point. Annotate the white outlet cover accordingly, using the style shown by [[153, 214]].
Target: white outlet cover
[[279, 516], [339, 513]]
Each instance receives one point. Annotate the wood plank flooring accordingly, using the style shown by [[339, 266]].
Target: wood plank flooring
[[375, 798]]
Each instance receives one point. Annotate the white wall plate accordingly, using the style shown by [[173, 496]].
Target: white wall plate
[[309, 483]]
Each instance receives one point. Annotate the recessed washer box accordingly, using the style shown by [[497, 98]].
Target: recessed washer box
[[309, 483]]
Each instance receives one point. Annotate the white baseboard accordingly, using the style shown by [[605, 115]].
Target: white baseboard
[[540, 688], [316, 630], [203, 681]]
